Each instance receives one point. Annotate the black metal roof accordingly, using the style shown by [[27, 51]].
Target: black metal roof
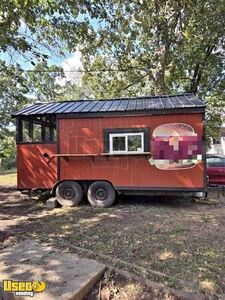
[[146, 103]]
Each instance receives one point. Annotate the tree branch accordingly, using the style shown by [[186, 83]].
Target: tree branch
[[131, 84]]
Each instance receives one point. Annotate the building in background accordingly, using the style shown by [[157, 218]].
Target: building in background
[[218, 145]]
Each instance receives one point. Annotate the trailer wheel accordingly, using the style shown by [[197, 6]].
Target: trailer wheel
[[69, 193], [101, 194]]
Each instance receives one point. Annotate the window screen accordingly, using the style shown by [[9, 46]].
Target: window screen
[[26, 137], [37, 137], [36, 130], [135, 143]]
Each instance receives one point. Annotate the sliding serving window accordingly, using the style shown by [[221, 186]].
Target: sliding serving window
[[127, 143], [36, 129], [126, 140]]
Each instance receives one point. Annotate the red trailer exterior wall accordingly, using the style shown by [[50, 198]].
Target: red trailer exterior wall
[[33, 169], [85, 135]]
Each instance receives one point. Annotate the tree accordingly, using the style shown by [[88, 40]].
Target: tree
[[17, 89], [31, 29], [13, 90], [42, 83], [166, 46], [36, 26], [128, 47], [74, 91], [159, 47], [7, 152]]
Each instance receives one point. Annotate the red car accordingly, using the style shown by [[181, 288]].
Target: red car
[[216, 169]]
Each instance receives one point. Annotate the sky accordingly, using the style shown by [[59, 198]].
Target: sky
[[70, 62], [69, 65], [25, 63]]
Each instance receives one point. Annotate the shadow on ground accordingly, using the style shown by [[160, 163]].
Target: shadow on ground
[[183, 242]]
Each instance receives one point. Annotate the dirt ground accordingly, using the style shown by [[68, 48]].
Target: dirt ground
[[174, 241]]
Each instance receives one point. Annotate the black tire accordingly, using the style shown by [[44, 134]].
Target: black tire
[[69, 193], [101, 194]]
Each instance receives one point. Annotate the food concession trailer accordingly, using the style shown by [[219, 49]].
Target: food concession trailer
[[104, 147]]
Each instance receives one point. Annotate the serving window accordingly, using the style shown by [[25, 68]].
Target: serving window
[[36, 129], [126, 141]]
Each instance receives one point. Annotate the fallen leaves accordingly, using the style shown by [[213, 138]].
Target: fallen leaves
[[166, 255]]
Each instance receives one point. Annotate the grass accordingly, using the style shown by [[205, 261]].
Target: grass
[[8, 179], [4, 172], [181, 241]]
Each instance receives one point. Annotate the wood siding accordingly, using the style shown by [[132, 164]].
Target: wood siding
[[85, 135], [33, 168]]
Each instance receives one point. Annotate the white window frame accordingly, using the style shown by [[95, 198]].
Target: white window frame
[[126, 135]]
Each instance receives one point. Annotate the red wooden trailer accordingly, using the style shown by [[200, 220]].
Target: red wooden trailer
[[104, 147]]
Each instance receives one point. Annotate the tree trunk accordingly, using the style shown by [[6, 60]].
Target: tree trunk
[[163, 47], [199, 68], [196, 79], [160, 87]]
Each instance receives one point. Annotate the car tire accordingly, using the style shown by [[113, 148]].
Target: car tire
[[69, 193], [101, 194]]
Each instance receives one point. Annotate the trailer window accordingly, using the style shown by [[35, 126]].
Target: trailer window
[[119, 143], [36, 130], [126, 140], [135, 143], [127, 143], [37, 133], [26, 132]]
